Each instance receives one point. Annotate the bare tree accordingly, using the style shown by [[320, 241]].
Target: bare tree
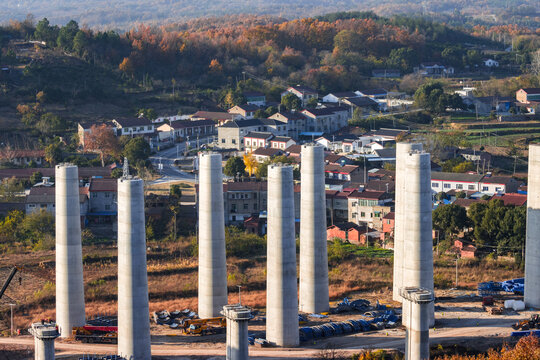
[[102, 140]]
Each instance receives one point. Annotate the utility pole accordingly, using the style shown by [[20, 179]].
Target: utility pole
[[11, 306], [239, 294], [457, 259]]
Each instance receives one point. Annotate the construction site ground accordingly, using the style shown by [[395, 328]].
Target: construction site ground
[[461, 322]]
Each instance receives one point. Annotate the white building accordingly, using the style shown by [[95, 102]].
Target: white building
[[491, 63], [133, 126]]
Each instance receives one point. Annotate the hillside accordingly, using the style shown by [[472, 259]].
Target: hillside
[[127, 13]]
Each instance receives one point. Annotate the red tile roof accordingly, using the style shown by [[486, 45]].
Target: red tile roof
[[513, 199], [103, 185]]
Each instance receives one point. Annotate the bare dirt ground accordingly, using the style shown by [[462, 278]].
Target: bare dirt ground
[[460, 321]]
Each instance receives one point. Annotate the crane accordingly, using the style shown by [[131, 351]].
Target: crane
[[6, 284]]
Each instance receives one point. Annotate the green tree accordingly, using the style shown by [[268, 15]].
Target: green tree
[[234, 165], [431, 97], [450, 219], [46, 32], [53, 153], [49, 124], [66, 35], [10, 188], [36, 177], [136, 150], [403, 58], [291, 102], [80, 42]]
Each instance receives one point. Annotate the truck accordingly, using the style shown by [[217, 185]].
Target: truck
[[203, 326], [96, 334]]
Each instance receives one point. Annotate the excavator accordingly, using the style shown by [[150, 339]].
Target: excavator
[[203, 326]]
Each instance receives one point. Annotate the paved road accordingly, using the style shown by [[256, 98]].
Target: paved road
[[170, 172]]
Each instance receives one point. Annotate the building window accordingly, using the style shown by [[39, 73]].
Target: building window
[[459, 186], [362, 214], [234, 218], [246, 206], [471, 187], [234, 141], [107, 195], [94, 195], [354, 215], [387, 222], [485, 188], [223, 141], [254, 206], [446, 186], [434, 184]]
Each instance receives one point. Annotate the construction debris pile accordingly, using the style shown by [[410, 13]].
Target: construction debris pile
[[385, 319], [516, 286], [526, 327], [174, 318]]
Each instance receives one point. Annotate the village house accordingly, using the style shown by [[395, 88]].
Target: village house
[[231, 134], [247, 111], [325, 119], [182, 129], [43, 199], [338, 96], [492, 185], [388, 225], [243, 200], [22, 157], [255, 98], [281, 142], [218, 117], [445, 181], [296, 122], [373, 93], [254, 140], [365, 104], [491, 63], [341, 172], [264, 154], [337, 207], [304, 93], [133, 127], [528, 95], [369, 207]]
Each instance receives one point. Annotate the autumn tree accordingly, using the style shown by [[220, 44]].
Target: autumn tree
[[102, 140], [251, 164]]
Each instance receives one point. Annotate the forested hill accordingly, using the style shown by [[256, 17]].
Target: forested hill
[[124, 14]]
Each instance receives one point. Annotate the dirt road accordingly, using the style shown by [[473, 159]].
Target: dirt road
[[455, 325]]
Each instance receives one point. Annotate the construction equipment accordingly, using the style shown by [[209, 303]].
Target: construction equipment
[[203, 326], [532, 323], [6, 284], [96, 334]]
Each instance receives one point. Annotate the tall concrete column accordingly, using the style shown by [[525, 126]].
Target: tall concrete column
[[417, 228], [313, 244], [133, 312], [532, 250], [237, 331], [44, 335], [417, 301], [281, 288], [212, 261], [69, 267], [402, 149]]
